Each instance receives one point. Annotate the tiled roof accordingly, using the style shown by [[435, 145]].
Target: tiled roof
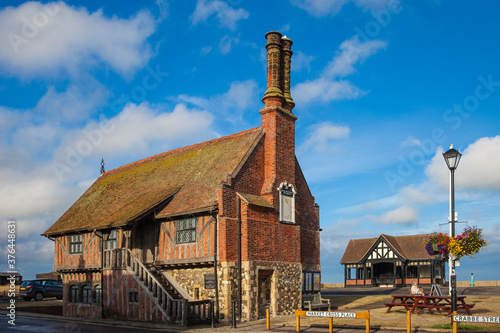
[[255, 200], [409, 247], [186, 178]]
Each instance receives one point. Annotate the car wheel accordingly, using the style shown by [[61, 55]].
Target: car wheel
[[27, 298], [38, 296]]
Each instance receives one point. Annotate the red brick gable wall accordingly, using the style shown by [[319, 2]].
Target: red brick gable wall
[[308, 218], [264, 238]]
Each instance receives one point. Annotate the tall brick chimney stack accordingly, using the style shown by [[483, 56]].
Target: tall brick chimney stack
[[278, 120], [287, 61]]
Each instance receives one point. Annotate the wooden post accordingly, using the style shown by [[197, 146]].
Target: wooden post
[[268, 323], [408, 322], [298, 323], [185, 313], [455, 324]]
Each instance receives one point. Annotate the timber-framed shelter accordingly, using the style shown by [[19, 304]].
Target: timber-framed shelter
[[390, 261]]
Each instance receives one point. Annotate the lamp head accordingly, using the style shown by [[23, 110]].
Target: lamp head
[[452, 157]]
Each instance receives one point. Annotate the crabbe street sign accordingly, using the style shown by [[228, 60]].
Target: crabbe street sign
[[331, 314], [477, 319]]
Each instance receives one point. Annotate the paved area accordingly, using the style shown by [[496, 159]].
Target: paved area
[[360, 291], [53, 323]]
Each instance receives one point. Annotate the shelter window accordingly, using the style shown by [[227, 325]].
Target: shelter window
[[111, 242], [75, 243], [360, 274], [398, 272], [311, 281], [412, 271], [186, 230], [351, 273]]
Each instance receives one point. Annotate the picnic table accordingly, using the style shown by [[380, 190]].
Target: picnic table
[[421, 302]]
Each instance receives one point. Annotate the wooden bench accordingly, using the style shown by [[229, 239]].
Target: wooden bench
[[431, 303], [407, 301], [313, 302]]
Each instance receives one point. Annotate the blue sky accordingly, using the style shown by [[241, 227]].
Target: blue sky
[[381, 89]]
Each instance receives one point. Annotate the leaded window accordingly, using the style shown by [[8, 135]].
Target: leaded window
[[75, 243], [133, 297], [111, 242], [186, 230], [86, 293], [98, 294], [73, 294]]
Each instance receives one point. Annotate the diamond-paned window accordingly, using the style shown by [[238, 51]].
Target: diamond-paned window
[[186, 230], [111, 242], [75, 243]]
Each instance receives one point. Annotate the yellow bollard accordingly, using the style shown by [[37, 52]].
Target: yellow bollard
[[268, 322], [331, 324], [298, 323], [455, 324], [408, 322], [368, 322]]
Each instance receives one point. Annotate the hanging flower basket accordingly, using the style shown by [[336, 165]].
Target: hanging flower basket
[[437, 244], [469, 243]]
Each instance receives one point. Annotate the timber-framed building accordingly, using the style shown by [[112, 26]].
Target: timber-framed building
[[230, 219], [390, 261]]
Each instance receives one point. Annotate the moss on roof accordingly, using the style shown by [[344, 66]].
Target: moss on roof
[[255, 200], [189, 177]]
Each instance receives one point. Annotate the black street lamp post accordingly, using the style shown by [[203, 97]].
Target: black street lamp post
[[452, 157]]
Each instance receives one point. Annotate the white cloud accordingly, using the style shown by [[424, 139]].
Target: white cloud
[[206, 50], [163, 8], [320, 8], [402, 215], [351, 52], [301, 61], [225, 14], [417, 196], [45, 39], [226, 43], [324, 90], [231, 104], [330, 85], [477, 170], [151, 127], [321, 137], [76, 103], [410, 142]]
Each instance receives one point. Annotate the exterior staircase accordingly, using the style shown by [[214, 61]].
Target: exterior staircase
[[172, 300]]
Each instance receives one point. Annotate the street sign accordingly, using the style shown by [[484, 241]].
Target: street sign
[[476, 319], [331, 314]]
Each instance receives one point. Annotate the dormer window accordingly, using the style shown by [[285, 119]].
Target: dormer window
[[287, 203]]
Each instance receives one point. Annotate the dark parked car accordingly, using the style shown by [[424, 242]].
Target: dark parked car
[[40, 288]]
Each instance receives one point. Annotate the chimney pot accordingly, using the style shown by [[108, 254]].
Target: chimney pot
[[274, 70]]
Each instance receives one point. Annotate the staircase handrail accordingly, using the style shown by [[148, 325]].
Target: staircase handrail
[[150, 275], [170, 279]]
